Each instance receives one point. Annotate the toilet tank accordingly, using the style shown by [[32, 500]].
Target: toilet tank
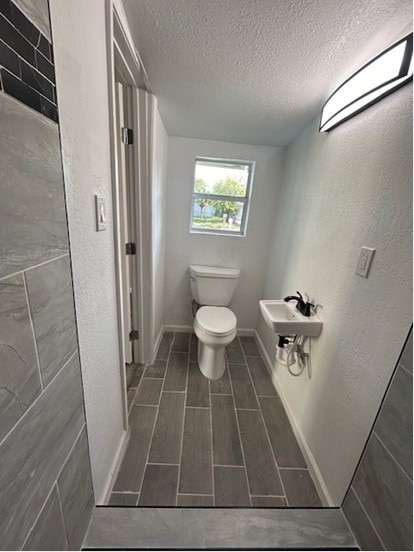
[[213, 285]]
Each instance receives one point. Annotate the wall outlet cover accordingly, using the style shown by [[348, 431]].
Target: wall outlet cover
[[364, 261]]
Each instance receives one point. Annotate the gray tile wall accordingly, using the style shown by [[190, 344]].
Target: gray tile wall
[[378, 505], [46, 496]]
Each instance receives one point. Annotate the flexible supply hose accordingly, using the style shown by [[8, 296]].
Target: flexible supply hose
[[291, 351]]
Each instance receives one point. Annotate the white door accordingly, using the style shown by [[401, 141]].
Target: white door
[[125, 225]]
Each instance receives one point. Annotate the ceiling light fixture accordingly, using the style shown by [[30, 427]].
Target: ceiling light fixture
[[381, 76]]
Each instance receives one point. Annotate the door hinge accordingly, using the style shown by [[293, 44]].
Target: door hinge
[[130, 248], [133, 335], [127, 135]]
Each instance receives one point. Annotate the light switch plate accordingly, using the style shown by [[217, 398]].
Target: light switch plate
[[100, 211], [364, 261]]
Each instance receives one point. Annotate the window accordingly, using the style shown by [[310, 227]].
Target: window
[[221, 195]]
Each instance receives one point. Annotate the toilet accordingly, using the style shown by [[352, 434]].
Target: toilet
[[215, 325]]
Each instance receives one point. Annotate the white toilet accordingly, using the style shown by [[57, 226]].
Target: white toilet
[[215, 325]]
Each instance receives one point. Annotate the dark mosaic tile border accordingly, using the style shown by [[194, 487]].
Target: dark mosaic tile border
[[27, 69]]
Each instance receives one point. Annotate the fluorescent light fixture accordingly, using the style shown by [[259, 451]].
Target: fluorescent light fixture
[[381, 76]]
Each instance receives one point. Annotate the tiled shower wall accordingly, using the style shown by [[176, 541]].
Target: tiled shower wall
[[46, 496], [378, 505]]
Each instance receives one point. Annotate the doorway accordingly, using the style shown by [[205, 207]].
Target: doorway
[[124, 138]]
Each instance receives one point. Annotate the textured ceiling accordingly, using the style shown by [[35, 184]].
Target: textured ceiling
[[255, 71]]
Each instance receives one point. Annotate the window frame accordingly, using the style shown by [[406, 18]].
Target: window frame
[[237, 199]]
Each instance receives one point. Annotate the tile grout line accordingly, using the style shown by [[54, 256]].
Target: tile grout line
[[193, 494], [405, 369], [55, 482], [61, 513], [183, 423], [161, 464], [266, 432], [29, 310], [39, 514], [392, 456], [366, 513], [34, 266], [295, 468], [238, 429], [136, 392], [26, 412], [152, 433], [211, 438]]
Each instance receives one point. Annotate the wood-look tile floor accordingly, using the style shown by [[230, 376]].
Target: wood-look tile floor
[[196, 442]]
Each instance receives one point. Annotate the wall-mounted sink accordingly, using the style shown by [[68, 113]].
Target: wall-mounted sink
[[284, 319]]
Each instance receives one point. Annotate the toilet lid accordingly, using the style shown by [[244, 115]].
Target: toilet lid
[[216, 320]]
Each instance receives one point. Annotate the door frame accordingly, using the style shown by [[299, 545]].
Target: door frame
[[122, 55]]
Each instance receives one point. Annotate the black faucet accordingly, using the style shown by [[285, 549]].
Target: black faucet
[[302, 306]]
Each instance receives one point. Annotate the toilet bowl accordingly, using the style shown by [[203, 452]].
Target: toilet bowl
[[215, 328]]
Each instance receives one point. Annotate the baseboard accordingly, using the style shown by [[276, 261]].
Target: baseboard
[[303, 445], [158, 341], [177, 328], [245, 331], [116, 464]]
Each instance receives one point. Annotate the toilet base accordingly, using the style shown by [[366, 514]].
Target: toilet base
[[211, 360]]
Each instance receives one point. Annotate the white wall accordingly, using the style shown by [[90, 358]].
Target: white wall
[[159, 192], [343, 190], [78, 29], [247, 253]]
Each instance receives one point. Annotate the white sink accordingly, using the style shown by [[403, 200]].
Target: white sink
[[285, 319]]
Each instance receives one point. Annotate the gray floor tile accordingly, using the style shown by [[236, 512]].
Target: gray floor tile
[[261, 469], [395, 423], [166, 442], [49, 530], [260, 376], [191, 501], [76, 493], [33, 219], [282, 529], [244, 395], [385, 492], [181, 342], [51, 303], [134, 374], [218, 528], [284, 444], [268, 502], [176, 376], [360, 524], [299, 488], [196, 475], [123, 499], [19, 374], [142, 420], [145, 528], [226, 441], [234, 352], [230, 487], [149, 392], [249, 345], [193, 348], [222, 385], [197, 389], [159, 487], [156, 370], [165, 346], [38, 446]]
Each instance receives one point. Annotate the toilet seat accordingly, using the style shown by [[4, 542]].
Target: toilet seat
[[219, 321]]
